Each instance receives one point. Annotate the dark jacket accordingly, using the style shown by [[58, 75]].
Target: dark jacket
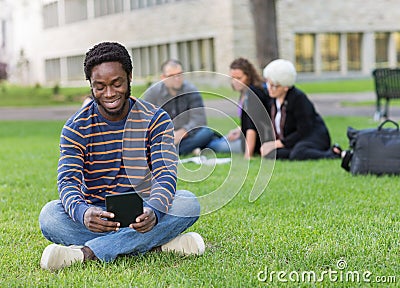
[[186, 109], [299, 119], [255, 114]]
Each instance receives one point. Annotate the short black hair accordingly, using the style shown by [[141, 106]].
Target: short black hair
[[107, 52], [171, 62]]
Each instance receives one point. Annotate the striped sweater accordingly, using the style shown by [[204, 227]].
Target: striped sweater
[[100, 157]]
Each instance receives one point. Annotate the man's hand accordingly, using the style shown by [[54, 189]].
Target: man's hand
[[179, 135], [145, 222], [94, 222]]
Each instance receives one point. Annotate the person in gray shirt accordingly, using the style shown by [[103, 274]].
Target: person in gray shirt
[[184, 104]]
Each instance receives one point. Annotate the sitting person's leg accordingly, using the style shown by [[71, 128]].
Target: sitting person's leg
[[309, 153], [184, 213], [311, 149], [282, 153], [59, 228], [223, 145], [197, 139], [314, 146], [305, 150]]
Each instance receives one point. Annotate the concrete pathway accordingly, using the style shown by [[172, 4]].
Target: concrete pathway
[[332, 104], [326, 105]]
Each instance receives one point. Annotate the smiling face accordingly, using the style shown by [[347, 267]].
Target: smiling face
[[110, 89]]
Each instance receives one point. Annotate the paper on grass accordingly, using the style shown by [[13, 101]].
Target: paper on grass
[[203, 160]]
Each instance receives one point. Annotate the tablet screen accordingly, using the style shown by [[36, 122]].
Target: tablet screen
[[125, 206]]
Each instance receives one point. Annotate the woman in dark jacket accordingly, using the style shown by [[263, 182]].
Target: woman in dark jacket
[[300, 132], [252, 111]]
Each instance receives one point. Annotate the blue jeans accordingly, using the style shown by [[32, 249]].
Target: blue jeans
[[58, 227], [223, 145], [198, 139]]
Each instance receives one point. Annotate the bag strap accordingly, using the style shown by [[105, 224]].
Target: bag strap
[[388, 121], [346, 160]]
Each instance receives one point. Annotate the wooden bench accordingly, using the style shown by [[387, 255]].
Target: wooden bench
[[387, 86]]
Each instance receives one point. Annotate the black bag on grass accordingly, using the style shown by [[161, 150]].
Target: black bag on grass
[[373, 151]]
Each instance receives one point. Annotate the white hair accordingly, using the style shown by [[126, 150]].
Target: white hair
[[280, 72]]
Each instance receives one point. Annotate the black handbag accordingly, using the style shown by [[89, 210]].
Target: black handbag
[[373, 151]]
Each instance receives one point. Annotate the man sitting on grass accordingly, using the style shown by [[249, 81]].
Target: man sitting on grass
[[184, 104], [93, 164]]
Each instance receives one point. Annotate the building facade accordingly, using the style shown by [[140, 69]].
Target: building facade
[[45, 40], [337, 38]]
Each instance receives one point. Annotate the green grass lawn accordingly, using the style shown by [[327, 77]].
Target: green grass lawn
[[338, 86], [18, 96], [311, 216]]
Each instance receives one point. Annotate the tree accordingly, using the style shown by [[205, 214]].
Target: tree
[[264, 16], [3, 71]]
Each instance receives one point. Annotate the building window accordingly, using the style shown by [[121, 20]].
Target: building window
[[75, 67], [184, 55], [138, 4], [141, 60], [75, 10], [382, 49], [50, 15], [163, 53], [197, 54], [107, 7], [397, 41], [305, 44], [354, 41], [52, 70], [207, 55], [136, 58], [194, 55], [330, 45], [154, 60]]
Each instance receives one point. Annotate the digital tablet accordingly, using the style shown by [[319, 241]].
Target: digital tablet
[[125, 206]]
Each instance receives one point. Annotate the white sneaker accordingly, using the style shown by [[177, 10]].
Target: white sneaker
[[196, 152], [185, 244], [55, 256]]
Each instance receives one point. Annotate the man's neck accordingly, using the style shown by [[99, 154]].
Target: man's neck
[[173, 92]]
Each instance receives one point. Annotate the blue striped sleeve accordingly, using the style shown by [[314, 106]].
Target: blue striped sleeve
[[70, 171], [158, 183]]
